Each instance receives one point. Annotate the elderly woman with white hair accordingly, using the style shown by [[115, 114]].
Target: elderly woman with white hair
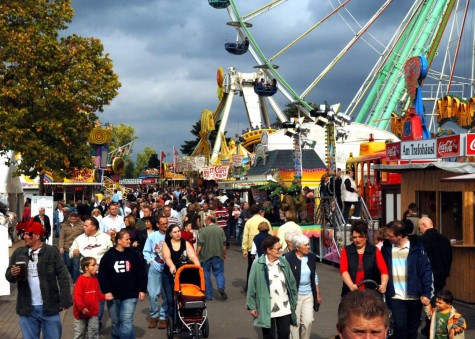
[[303, 265]]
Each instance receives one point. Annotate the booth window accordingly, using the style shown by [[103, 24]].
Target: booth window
[[451, 214]]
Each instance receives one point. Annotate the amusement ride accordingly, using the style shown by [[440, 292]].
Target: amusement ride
[[420, 85]]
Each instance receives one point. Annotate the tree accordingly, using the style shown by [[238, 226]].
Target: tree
[[142, 160], [50, 87], [122, 135], [129, 172], [153, 161], [189, 146]]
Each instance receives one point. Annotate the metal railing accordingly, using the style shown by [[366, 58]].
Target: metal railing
[[110, 185]]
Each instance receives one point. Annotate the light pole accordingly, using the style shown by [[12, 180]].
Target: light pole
[[295, 130]]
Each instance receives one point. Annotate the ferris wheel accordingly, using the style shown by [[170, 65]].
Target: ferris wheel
[[291, 40]]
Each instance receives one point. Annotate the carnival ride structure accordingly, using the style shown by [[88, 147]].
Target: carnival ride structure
[[382, 100]]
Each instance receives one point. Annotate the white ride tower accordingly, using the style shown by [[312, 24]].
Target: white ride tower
[[255, 105]]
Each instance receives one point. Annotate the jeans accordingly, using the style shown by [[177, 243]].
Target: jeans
[[167, 288], [346, 209], [154, 287], [231, 226], [239, 232], [57, 229], [72, 265], [304, 313], [216, 264], [122, 318], [89, 326], [279, 328], [37, 322], [407, 317]]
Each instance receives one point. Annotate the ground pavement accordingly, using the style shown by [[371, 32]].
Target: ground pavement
[[228, 319]]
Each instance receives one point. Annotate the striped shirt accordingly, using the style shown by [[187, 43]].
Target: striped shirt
[[222, 216], [399, 270]]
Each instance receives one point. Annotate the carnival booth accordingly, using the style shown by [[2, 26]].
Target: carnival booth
[[444, 191]]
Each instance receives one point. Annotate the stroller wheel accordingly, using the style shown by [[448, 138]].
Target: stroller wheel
[[170, 328], [205, 329], [196, 331]]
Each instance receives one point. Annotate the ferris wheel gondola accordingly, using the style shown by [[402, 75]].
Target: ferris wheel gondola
[[237, 48], [219, 4]]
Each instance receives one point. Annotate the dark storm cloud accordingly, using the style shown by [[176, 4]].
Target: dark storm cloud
[[166, 54]]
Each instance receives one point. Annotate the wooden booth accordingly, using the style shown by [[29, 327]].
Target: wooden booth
[[444, 192]]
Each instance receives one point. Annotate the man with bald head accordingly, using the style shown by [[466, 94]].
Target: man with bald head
[[439, 251]]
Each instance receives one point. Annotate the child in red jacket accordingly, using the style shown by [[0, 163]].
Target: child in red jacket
[[87, 296], [187, 233]]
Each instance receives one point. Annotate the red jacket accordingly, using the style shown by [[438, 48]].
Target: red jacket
[[87, 294]]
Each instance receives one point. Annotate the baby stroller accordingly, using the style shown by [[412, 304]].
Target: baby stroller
[[190, 303]]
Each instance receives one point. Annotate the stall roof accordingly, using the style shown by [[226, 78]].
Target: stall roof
[[73, 184], [284, 159], [456, 167]]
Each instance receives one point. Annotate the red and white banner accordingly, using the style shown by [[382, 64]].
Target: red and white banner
[[450, 146], [215, 172], [470, 144], [393, 151], [237, 160]]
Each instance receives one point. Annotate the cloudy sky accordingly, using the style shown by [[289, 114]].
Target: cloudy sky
[[166, 54]]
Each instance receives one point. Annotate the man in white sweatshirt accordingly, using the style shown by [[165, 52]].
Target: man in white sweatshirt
[[92, 243]]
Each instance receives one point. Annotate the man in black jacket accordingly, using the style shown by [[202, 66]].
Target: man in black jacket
[[43, 284], [439, 251], [43, 219]]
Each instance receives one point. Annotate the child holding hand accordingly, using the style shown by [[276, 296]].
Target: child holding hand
[[445, 322], [86, 297]]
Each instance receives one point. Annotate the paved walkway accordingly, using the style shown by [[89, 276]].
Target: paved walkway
[[228, 319]]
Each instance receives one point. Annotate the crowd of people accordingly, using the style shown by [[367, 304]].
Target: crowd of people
[[129, 248]]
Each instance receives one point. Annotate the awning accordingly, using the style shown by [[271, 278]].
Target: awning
[[240, 184], [456, 167], [73, 184]]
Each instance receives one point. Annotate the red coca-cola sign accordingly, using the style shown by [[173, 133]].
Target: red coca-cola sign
[[470, 144], [393, 151], [448, 146], [149, 181]]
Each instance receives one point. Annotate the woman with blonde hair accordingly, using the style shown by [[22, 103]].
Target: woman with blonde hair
[[96, 213], [130, 226]]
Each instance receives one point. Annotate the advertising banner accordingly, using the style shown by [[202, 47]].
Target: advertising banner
[[450, 146], [215, 172], [470, 144], [393, 151], [418, 149]]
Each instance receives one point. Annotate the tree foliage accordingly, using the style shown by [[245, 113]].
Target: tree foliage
[[50, 87], [122, 134], [189, 146], [153, 161], [129, 172], [142, 160]]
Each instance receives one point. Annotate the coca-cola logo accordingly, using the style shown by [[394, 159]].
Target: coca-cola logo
[[393, 151], [449, 146], [471, 147]]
